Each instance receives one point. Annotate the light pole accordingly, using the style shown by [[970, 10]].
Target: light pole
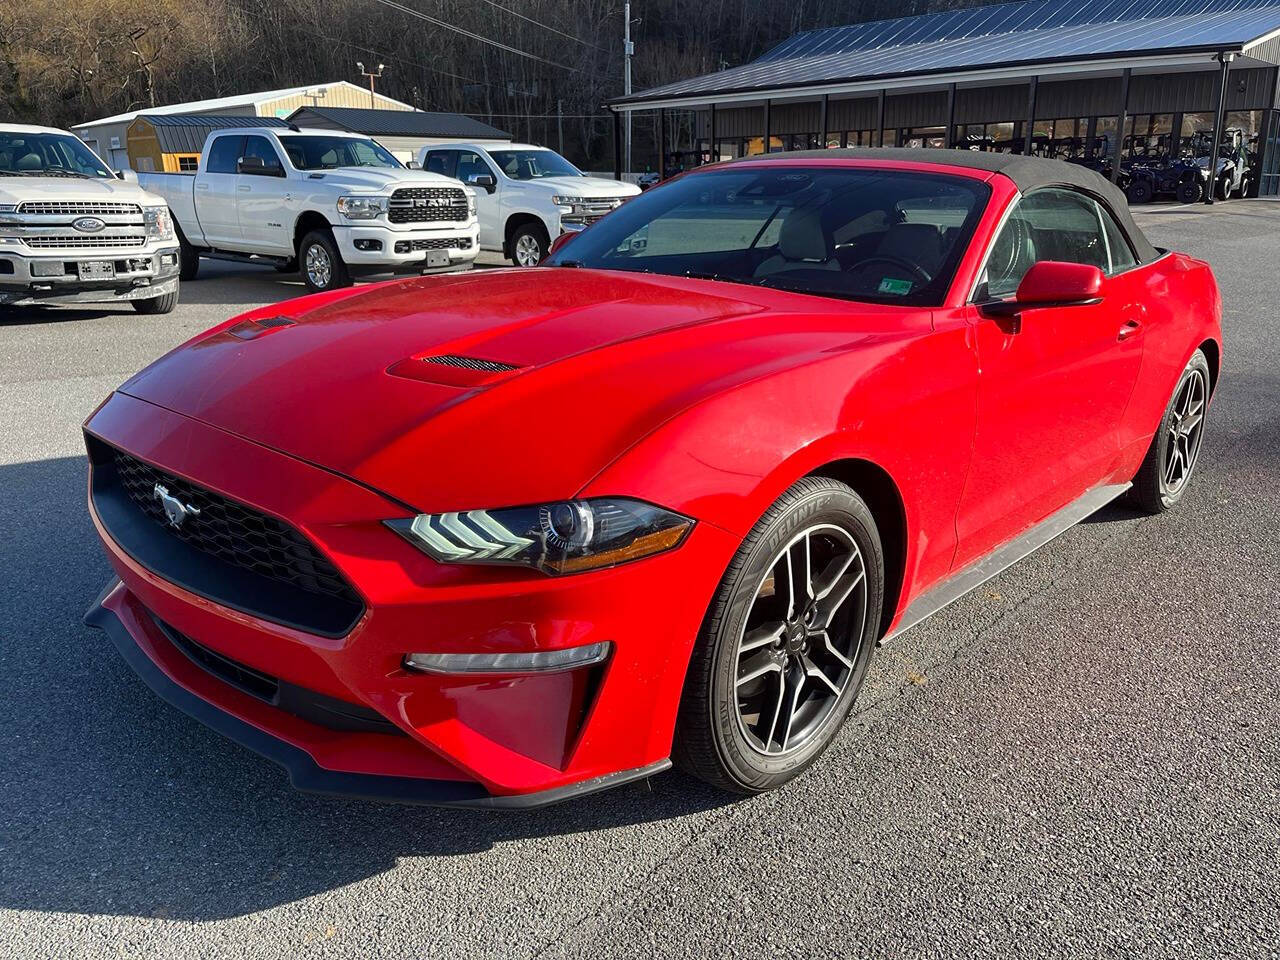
[[628, 51], [372, 75]]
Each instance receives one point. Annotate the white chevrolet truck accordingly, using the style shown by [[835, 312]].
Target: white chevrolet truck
[[329, 205], [72, 231], [527, 196]]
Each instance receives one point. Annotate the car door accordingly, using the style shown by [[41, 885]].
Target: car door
[[216, 207], [263, 197], [1054, 384], [488, 200]]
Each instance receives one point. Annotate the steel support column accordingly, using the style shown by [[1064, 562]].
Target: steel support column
[[1122, 121], [713, 155], [822, 122], [662, 145], [1029, 131], [1219, 117], [617, 144], [768, 126], [880, 118], [950, 141]]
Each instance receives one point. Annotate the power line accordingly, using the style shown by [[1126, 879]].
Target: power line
[[435, 21], [544, 26]]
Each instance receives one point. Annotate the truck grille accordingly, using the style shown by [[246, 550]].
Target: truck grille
[[226, 551], [82, 242], [427, 205], [435, 243], [78, 208]]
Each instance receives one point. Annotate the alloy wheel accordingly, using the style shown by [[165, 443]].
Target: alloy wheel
[[800, 640], [1186, 427], [528, 250], [319, 266]]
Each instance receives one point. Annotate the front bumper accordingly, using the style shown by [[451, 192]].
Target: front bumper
[[25, 280], [383, 248], [515, 740]]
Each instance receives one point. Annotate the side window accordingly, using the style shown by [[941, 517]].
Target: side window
[[224, 153], [443, 162], [1122, 257], [471, 166], [1049, 224], [261, 147]]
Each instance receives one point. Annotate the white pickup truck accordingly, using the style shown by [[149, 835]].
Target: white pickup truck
[[328, 204], [72, 231], [527, 196]]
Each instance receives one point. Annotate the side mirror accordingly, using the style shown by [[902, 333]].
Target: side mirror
[[1050, 283], [486, 180], [414, 165], [253, 165], [128, 176]]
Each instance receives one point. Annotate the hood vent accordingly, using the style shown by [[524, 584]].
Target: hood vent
[[470, 363], [252, 329]]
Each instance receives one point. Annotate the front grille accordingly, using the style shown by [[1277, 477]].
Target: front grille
[[435, 243], [470, 363], [427, 205], [82, 242], [78, 208], [318, 708], [221, 549]]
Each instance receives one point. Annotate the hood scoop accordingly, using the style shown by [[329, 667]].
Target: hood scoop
[[453, 370], [252, 329]]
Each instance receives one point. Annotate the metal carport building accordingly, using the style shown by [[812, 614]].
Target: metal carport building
[[1073, 74]]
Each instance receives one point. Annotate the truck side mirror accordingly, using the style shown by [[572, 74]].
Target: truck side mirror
[[256, 166], [486, 180], [414, 165]]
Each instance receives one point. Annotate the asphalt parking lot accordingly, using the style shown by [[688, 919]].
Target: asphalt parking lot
[[1080, 759]]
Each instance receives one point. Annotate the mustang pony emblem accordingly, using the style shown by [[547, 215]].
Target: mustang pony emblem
[[174, 509]]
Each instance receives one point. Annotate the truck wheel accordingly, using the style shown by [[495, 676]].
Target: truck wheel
[[188, 259], [322, 265], [529, 244], [1190, 191], [153, 305]]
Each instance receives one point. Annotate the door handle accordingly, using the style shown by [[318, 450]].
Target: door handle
[[1128, 330], [202, 186], [243, 187], [287, 197]]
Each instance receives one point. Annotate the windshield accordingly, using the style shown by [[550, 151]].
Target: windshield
[[883, 236], [48, 155], [533, 164], [329, 153]]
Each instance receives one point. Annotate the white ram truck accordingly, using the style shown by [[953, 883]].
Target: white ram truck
[[72, 231], [527, 196], [329, 205]]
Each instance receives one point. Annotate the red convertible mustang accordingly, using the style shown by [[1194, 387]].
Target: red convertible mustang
[[508, 537]]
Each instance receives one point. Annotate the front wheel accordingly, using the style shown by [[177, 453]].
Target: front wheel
[[157, 305], [1166, 471], [322, 264], [529, 244], [188, 259], [1139, 191], [1190, 191], [786, 642], [1222, 190]]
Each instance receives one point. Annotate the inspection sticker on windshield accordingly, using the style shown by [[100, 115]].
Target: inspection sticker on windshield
[[894, 286]]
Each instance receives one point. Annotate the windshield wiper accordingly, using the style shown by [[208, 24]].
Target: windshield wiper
[[775, 284], [571, 263]]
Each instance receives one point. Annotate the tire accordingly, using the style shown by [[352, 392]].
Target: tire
[[1159, 484], [188, 259], [322, 265], [1190, 191], [529, 244], [157, 305], [714, 740], [1222, 189], [1139, 191]]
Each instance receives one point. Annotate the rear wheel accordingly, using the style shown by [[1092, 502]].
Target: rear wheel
[[1190, 191], [786, 642], [322, 264], [1175, 449], [1222, 189], [155, 305], [529, 244], [1139, 191]]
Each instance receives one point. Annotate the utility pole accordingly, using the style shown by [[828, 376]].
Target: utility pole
[[560, 124], [628, 51], [372, 76]]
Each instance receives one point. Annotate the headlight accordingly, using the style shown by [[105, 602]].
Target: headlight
[[362, 208], [159, 223], [569, 204], [556, 538], [471, 202]]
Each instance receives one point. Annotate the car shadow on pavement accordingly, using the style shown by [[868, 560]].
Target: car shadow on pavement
[[112, 802]]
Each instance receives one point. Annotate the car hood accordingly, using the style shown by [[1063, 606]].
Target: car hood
[[18, 189], [378, 180], [590, 362], [584, 187]]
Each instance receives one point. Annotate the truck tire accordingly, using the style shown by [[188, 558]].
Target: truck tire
[[529, 244], [188, 259], [321, 263], [1190, 191], [157, 305]]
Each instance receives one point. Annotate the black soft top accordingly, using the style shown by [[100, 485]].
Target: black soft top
[[1027, 173]]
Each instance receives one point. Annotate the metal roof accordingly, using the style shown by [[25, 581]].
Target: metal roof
[[186, 132], [1000, 35], [398, 123]]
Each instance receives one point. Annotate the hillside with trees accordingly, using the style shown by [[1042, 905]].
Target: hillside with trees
[[516, 64]]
